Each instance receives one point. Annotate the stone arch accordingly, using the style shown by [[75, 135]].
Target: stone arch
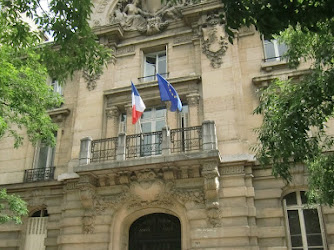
[[124, 217]]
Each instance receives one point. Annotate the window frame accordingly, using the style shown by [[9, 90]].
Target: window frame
[[277, 55], [300, 207], [154, 52]]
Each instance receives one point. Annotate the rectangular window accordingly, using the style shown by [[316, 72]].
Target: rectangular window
[[122, 123], [57, 88], [304, 224], [152, 122], [154, 63], [44, 163], [273, 50]]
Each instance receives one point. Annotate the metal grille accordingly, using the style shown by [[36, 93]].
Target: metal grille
[[186, 139], [104, 149], [39, 174], [146, 144]]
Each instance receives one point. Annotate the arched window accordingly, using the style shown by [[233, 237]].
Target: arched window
[[304, 223], [36, 230], [155, 232]]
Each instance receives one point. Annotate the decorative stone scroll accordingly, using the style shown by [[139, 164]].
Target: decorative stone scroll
[[132, 15], [91, 79], [211, 188], [214, 43]]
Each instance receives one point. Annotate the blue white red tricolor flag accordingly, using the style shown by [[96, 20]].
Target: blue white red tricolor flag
[[138, 105]]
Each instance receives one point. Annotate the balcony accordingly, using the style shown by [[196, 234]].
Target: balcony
[[39, 174], [147, 146]]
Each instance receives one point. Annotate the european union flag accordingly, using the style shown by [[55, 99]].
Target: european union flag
[[168, 93]]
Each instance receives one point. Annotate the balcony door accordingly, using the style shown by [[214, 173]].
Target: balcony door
[[152, 122], [156, 231]]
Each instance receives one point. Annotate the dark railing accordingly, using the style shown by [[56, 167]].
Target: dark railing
[[145, 144], [39, 174], [104, 149], [274, 59], [152, 77], [186, 139]]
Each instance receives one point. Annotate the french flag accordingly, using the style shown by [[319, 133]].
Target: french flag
[[138, 105]]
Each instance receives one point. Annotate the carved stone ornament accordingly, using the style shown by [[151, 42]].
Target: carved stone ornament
[[214, 43], [91, 79], [148, 17]]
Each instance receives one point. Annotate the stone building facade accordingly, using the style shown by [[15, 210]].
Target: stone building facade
[[189, 180]]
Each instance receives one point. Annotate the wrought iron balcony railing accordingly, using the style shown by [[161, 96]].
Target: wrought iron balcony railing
[[186, 139], [163, 142], [39, 174], [145, 144], [104, 149]]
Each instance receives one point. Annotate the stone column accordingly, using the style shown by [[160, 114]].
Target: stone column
[[165, 141], [130, 128], [209, 135], [121, 147], [112, 121], [193, 105], [85, 151]]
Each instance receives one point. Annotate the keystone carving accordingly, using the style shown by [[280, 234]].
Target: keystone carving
[[214, 43]]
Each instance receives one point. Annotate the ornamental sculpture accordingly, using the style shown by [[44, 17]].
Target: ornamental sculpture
[[132, 15], [214, 39]]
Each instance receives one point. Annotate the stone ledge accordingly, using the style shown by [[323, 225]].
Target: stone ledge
[[182, 159]]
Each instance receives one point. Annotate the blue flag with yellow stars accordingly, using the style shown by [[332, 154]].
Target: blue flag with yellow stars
[[168, 93]]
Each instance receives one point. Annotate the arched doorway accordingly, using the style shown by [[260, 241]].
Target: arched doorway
[[156, 231]]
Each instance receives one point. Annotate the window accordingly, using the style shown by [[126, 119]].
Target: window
[[184, 116], [304, 223], [57, 88], [44, 164], [273, 50], [154, 63], [44, 156], [152, 122]]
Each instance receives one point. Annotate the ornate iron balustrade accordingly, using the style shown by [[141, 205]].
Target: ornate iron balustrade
[[39, 174], [186, 139], [145, 144], [104, 149]]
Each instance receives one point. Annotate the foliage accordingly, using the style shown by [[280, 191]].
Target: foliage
[[296, 113], [74, 45], [25, 96], [25, 62], [12, 207]]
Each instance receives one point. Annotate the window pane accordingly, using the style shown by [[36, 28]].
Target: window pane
[[303, 197], [312, 225], [291, 199], [160, 125], [150, 65], [282, 49], [146, 127], [43, 156], [295, 232], [162, 66], [147, 114], [269, 49], [160, 112]]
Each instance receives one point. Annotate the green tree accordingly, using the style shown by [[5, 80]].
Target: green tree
[[12, 208], [296, 114], [25, 62]]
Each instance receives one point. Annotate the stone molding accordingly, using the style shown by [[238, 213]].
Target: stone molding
[[91, 79]]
